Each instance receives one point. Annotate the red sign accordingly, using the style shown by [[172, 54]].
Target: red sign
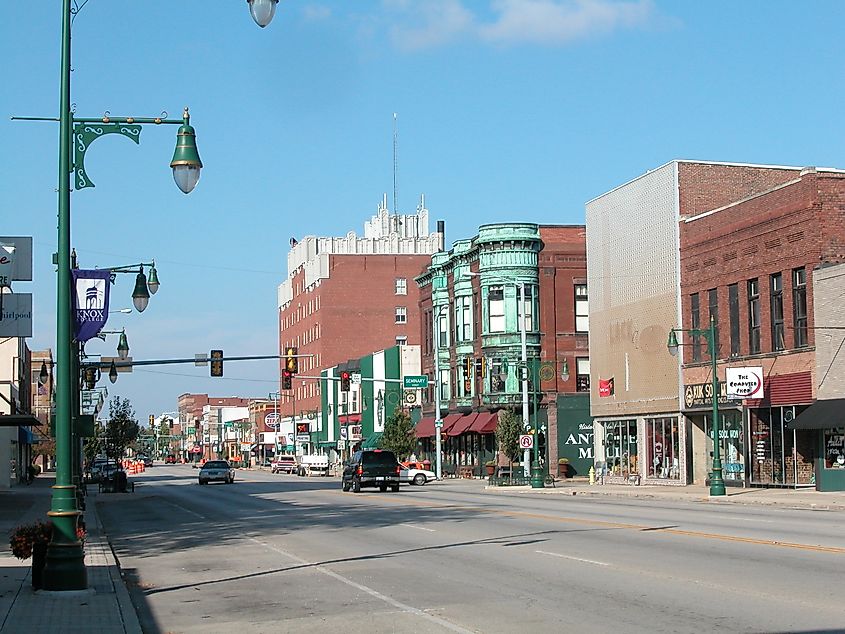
[[606, 387]]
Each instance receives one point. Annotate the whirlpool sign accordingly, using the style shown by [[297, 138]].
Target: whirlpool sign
[[744, 382]]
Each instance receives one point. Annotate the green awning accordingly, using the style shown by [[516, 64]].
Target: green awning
[[372, 442]]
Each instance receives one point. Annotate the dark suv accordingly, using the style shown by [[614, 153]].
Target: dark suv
[[371, 468]]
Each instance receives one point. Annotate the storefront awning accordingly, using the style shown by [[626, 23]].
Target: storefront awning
[[485, 423], [449, 422], [19, 420], [821, 415], [372, 441], [425, 428], [463, 424]]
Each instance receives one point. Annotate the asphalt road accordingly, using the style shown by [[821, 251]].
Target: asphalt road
[[277, 553]]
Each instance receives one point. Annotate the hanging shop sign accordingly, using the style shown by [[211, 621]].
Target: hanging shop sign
[[90, 302], [744, 382]]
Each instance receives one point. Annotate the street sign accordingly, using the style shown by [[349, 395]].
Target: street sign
[[355, 378], [438, 423], [303, 438], [191, 431], [415, 381], [272, 420], [526, 441]]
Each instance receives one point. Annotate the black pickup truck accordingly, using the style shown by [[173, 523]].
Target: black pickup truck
[[371, 468]]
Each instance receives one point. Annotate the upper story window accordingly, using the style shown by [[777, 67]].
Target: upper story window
[[754, 316], [443, 330], [528, 308], [463, 319], [582, 374], [582, 309], [799, 307], [496, 308], [401, 340], [401, 286], [401, 315], [776, 293], [733, 311], [695, 324], [713, 307]]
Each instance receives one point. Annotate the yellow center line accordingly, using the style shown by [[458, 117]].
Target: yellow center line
[[605, 524]]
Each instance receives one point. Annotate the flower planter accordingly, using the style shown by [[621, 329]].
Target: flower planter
[[563, 470], [39, 559], [491, 469]]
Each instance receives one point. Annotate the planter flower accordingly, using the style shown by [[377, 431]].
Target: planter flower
[[563, 467], [27, 537]]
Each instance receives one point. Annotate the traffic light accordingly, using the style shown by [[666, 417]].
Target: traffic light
[[344, 381], [291, 360], [480, 367], [287, 379], [216, 363], [152, 421], [468, 367], [302, 428]]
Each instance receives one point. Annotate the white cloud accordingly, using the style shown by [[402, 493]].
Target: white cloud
[[434, 23], [315, 12]]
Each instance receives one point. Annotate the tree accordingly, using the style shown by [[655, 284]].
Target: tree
[[507, 434], [398, 435], [121, 429]]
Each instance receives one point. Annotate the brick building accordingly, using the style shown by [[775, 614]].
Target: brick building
[[346, 297], [667, 250]]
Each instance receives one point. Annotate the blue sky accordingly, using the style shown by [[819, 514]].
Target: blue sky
[[507, 110]]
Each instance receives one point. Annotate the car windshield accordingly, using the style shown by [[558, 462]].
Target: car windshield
[[216, 464], [380, 458]]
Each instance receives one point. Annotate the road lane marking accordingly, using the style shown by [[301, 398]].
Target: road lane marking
[[837, 550], [419, 528], [404, 607], [586, 561], [189, 511]]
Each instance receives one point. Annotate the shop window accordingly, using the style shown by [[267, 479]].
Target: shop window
[[754, 316], [662, 454], [695, 324], [496, 308], [834, 448], [620, 445], [776, 293], [799, 307], [733, 309], [582, 374], [582, 309], [731, 444]]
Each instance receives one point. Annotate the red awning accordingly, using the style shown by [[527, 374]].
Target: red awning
[[485, 423], [449, 422], [425, 428], [463, 424], [349, 418]]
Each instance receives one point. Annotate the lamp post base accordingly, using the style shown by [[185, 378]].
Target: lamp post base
[[537, 478], [65, 567]]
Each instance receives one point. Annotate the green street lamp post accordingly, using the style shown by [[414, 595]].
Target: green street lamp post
[[717, 483], [65, 565]]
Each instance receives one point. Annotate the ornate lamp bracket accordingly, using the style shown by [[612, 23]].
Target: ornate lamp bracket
[[86, 133]]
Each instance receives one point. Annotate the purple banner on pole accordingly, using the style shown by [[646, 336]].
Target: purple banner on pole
[[90, 302]]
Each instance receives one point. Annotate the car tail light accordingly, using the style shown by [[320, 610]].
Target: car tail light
[[360, 470], [398, 469]]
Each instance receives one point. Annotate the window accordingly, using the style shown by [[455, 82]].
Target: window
[[799, 307], [753, 316], [401, 340], [444, 384], [713, 307], [582, 374], [733, 309], [695, 324], [582, 309], [443, 330], [428, 328], [528, 308], [620, 447], [497, 375], [463, 318], [834, 448], [401, 286], [401, 315], [776, 292], [662, 448], [496, 308]]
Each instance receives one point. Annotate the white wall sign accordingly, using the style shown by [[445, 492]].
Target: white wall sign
[[22, 267], [16, 319], [7, 263], [744, 382]]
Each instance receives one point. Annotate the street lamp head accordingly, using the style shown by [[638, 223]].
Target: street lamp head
[[153, 282], [141, 295], [262, 11], [113, 373], [672, 344], [123, 347], [186, 161], [564, 372], [42, 375]]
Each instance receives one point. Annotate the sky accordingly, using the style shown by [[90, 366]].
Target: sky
[[507, 110]]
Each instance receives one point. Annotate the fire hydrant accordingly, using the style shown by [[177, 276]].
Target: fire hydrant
[[592, 475]]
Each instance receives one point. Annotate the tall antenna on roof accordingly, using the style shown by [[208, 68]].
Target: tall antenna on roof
[[395, 166]]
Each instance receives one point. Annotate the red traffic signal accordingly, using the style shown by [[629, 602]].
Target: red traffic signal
[[287, 379], [345, 378], [302, 428]]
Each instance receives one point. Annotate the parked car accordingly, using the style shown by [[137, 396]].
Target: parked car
[[216, 471], [371, 468], [284, 464], [148, 462], [416, 473], [95, 471]]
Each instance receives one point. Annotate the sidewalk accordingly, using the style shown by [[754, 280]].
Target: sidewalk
[[104, 607], [787, 498]]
